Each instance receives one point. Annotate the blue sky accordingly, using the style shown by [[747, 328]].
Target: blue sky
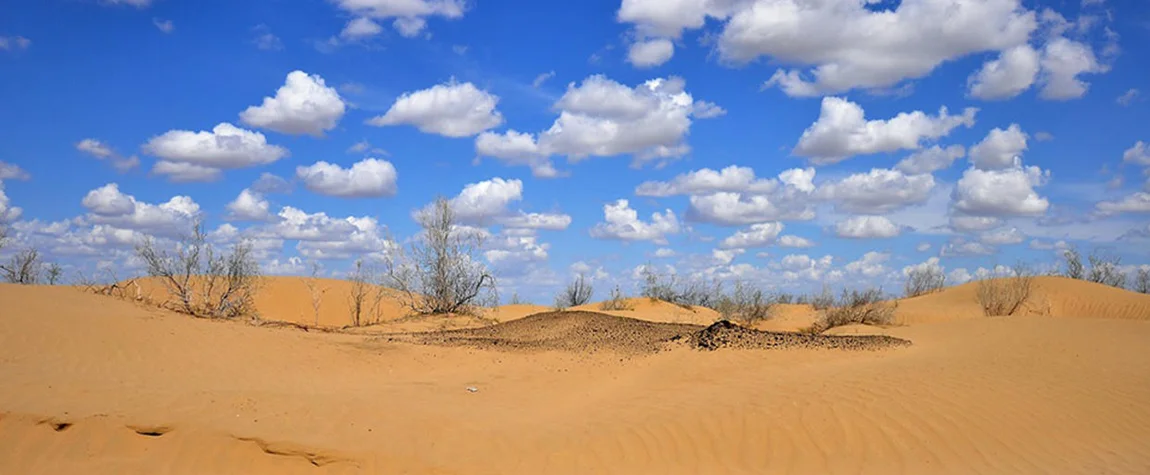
[[790, 143]]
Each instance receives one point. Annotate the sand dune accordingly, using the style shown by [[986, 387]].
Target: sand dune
[[98, 385], [644, 308]]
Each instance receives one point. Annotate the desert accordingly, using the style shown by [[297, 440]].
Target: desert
[[100, 384]]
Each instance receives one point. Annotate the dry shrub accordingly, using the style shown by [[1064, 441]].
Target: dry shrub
[[365, 297], [315, 291], [1074, 267], [617, 301], [577, 293], [823, 300], [24, 268], [441, 272], [202, 281], [1142, 281], [857, 307], [1105, 270], [746, 305], [1000, 297], [685, 293], [924, 280]]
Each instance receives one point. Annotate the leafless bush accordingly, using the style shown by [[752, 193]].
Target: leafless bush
[[440, 271], [1104, 270], [577, 293], [53, 273], [358, 300], [24, 268], [822, 300], [203, 281], [1074, 267], [685, 293], [786, 298], [1002, 296], [866, 307], [315, 290], [1142, 281], [514, 299], [745, 305], [616, 302], [924, 280]]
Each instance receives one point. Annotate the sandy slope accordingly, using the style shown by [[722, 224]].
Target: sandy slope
[[95, 385]]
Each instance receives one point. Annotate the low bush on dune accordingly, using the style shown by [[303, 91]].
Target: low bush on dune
[[577, 293], [745, 305], [866, 307], [1103, 269], [1142, 282], [1003, 296], [922, 280], [617, 301], [685, 293]]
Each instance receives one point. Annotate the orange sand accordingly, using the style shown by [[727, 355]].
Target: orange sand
[[97, 385]]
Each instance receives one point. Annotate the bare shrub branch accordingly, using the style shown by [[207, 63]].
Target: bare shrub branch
[[616, 302], [1074, 267], [1002, 296], [924, 280], [684, 293], [1104, 270], [24, 268], [363, 305], [745, 305], [53, 272], [823, 300], [440, 272], [514, 299], [315, 291], [204, 282], [577, 293], [1142, 281], [857, 307]]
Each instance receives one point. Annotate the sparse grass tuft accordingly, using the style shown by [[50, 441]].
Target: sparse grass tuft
[[857, 307]]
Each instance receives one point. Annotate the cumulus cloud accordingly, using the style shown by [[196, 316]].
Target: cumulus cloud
[[370, 177], [931, 160], [847, 44], [183, 172], [249, 206], [1128, 97], [303, 105], [1008, 76], [165, 26], [664, 252], [10, 171], [108, 205], [410, 16], [959, 247], [451, 109], [795, 241], [1139, 154], [650, 53], [1000, 149], [102, 151], [360, 28], [603, 118], [191, 154], [871, 264], [1063, 61], [488, 202], [14, 43], [842, 131], [1134, 203], [974, 223], [732, 178], [1002, 237], [729, 209], [7, 211], [1007, 192], [879, 191], [867, 227], [623, 223], [758, 235]]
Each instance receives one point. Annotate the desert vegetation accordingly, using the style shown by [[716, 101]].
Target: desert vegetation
[[683, 292], [365, 296], [1142, 281], [745, 304], [315, 291], [201, 280], [1103, 269], [25, 268], [924, 280], [578, 292], [617, 301], [1003, 296], [865, 307], [440, 271]]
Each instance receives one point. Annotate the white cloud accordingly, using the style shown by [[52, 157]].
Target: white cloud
[[9, 171], [802, 266], [410, 15], [370, 177], [542, 78], [867, 227], [303, 105], [226, 146], [842, 131], [1063, 61], [108, 205], [265, 40], [706, 180], [870, 264], [603, 118], [14, 43], [1128, 97], [269, 183], [650, 53], [663, 252], [183, 172], [546, 221], [451, 109], [927, 265], [931, 159], [795, 241], [249, 206], [290, 266], [922, 247], [8, 212], [1008, 76], [758, 235], [725, 256], [505, 251], [360, 28], [134, 3], [623, 223], [1043, 136], [1002, 236], [974, 223], [1008, 192], [962, 247], [727, 208], [707, 110], [487, 202], [958, 276], [878, 191], [165, 26], [1000, 149], [102, 151], [1138, 202], [1049, 246], [516, 148], [1139, 154]]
